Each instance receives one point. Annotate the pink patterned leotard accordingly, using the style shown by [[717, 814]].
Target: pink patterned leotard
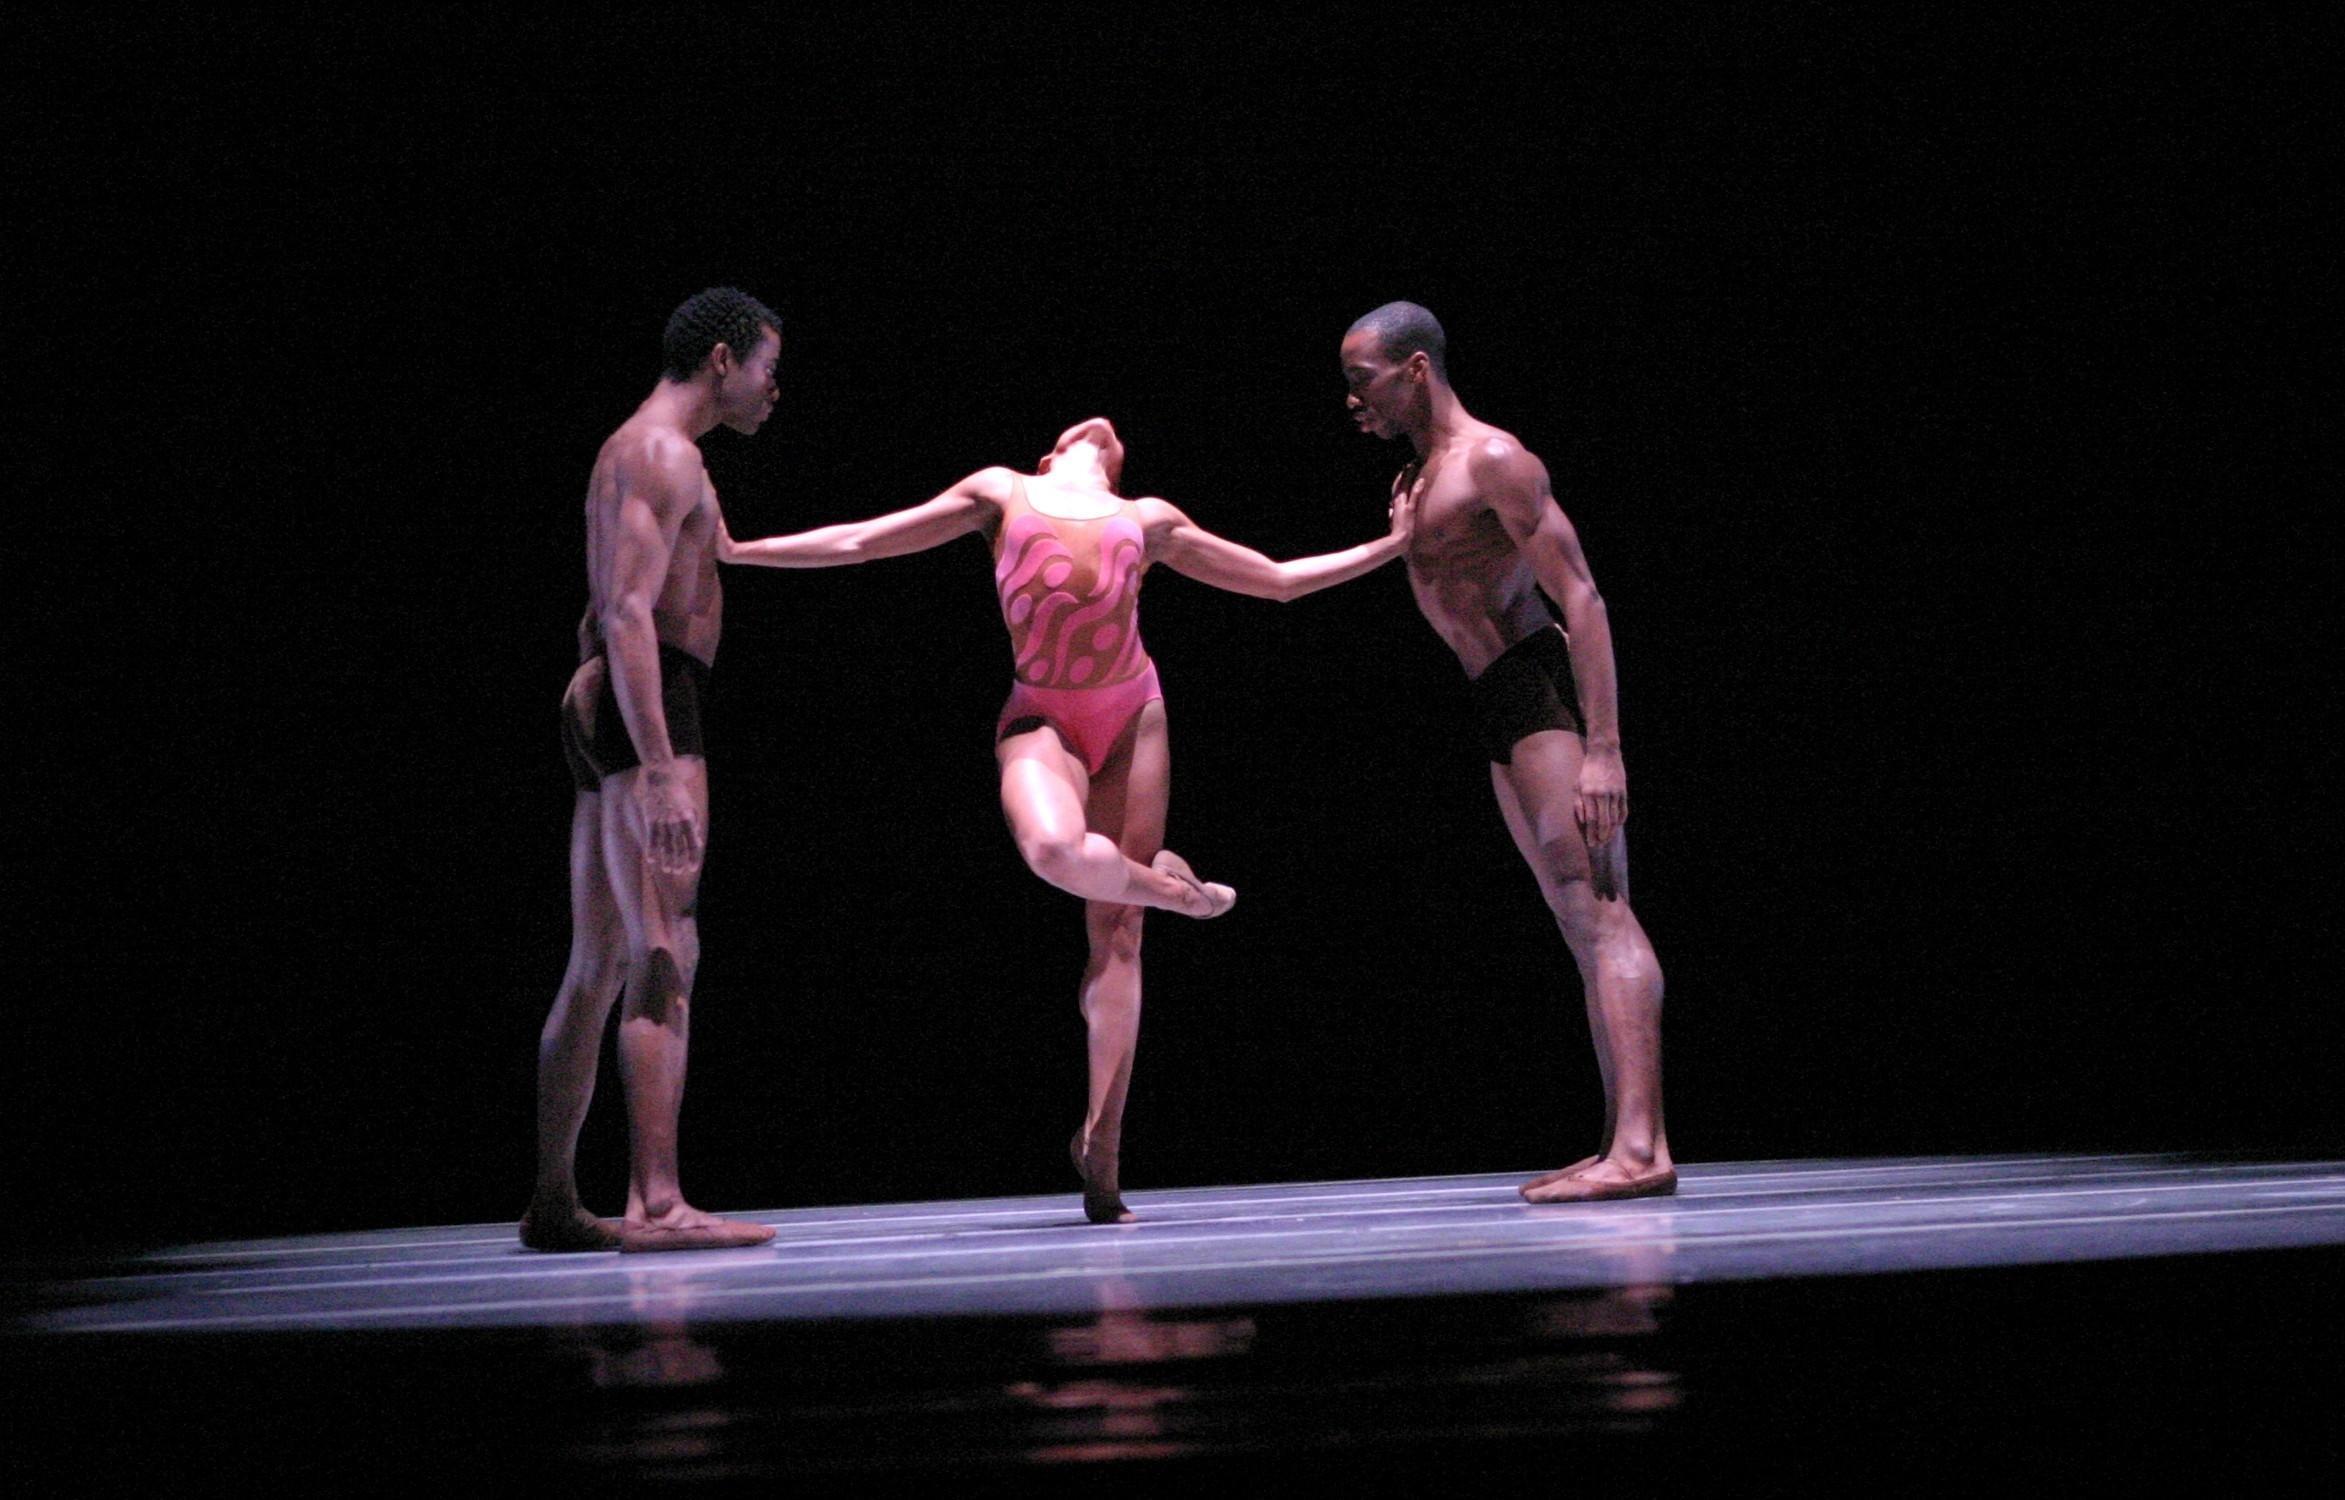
[[1070, 594]]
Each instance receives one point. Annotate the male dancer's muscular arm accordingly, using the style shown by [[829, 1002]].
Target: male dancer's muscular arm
[[964, 508], [1515, 486], [658, 487]]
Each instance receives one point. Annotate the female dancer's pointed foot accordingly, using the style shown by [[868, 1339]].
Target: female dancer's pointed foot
[[1211, 898], [1602, 1182], [566, 1227], [1103, 1200]]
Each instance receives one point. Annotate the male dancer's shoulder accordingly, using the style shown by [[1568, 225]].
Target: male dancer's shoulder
[[1500, 464], [658, 462]]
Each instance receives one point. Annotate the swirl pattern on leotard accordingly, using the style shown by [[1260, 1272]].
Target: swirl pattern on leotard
[[1070, 595]]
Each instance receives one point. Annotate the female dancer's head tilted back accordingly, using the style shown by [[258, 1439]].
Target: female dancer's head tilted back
[[1099, 435]]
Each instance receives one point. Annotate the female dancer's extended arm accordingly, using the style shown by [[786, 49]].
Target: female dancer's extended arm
[[1189, 549], [968, 506]]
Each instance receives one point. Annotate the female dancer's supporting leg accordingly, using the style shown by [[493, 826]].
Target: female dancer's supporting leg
[[1122, 814]]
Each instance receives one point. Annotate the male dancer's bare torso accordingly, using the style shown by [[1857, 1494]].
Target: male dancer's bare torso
[[1470, 578]]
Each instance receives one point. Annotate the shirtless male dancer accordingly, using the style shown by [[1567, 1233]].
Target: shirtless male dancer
[[1086, 763], [1488, 538], [631, 730]]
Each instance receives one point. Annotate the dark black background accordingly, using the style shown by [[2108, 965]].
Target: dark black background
[[1933, 400]]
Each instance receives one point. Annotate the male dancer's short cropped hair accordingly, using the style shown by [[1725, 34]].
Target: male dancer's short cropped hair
[[1403, 328], [721, 315]]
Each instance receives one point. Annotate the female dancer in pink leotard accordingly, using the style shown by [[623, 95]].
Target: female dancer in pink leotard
[[1085, 763]]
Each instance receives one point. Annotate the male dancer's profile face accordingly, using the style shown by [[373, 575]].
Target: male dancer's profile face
[[1375, 386], [749, 389]]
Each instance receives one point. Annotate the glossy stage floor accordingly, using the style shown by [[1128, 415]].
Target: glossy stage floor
[[1773, 1321]]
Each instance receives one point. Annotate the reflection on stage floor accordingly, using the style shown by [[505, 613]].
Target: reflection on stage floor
[[1369, 1327]]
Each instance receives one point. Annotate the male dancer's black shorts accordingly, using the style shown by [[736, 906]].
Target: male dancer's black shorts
[[1529, 688], [602, 748]]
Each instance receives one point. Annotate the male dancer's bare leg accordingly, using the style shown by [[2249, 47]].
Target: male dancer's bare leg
[[1043, 789], [663, 955], [570, 1046], [1127, 805], [1618, 972]]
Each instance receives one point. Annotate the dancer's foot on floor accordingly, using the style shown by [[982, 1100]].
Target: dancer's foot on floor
[[1561, 1173], [1103, 1199], [1604, 1181], [690, 1229], [567, 1227], [1211, 898]]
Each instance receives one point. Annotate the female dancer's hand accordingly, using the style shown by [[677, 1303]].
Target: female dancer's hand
[[1403, 517]]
